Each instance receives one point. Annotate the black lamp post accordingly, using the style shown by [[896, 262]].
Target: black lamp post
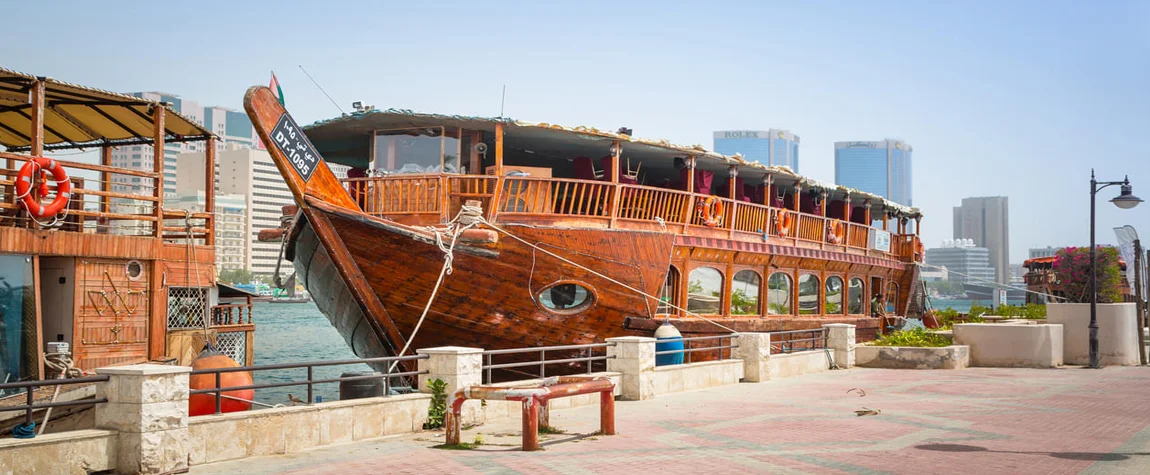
[[1124, 200]]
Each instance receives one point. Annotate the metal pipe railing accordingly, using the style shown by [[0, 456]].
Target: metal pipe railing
[[586, 357], [688, 350], [30, 405], [310, 382]]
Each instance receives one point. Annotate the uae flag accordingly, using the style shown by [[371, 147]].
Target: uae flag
[[279, 92], [275, 87]]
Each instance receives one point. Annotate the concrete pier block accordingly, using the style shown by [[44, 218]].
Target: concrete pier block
[[841, 341], [755, 351], [147, 404], [634, 357]]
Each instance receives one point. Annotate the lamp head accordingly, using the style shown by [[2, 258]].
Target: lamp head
[[1126, 198]]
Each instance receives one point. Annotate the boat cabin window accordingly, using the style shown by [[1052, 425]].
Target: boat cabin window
[[779, 294], [834, 295], [745, 293], [808, 294], [670, 292], [567, 298], [704, 291], [855, 297], [417, 150]]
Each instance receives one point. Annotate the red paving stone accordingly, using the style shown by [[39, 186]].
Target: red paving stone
[[980, 420]]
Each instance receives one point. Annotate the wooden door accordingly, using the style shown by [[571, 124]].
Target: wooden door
[[112, 311]]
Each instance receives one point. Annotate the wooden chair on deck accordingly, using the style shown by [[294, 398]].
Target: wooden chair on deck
[[585, 169]]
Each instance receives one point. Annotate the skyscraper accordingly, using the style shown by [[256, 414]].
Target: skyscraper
[[767, 147], [986, 220], [882, 168], [233, 127]]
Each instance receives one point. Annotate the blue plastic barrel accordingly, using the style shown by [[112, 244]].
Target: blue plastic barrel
[[669, 339]]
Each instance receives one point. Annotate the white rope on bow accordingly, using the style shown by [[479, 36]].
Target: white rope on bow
[[468, 217]]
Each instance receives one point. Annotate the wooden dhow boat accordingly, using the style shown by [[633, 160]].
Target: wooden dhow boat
[[584, 234]]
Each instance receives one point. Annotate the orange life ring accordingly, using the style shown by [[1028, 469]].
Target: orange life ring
[[711, 209], [920, 252], [784, 219], [24, 187]]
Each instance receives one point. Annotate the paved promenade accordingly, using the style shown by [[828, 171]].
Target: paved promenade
[[980, 420]]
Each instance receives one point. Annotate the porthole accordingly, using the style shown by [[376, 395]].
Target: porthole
[[134, 269], [566, 298]]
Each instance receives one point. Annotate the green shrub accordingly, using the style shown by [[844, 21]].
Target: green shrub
[[917, 337], [437, 410]]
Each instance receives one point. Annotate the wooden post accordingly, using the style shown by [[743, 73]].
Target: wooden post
[[475, 163], [38, 302], [847, 208], [917, 224], [158, 166], [823, 206], [210, 191], [797, 201], [866, 212], [499, 149], [616, 151], [37, 132], [768, 180], [885, 220], [106, 179], [734, 175], [690, 197]]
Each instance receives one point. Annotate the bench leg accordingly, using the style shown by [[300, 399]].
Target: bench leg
[[607, 412], [530, 425]]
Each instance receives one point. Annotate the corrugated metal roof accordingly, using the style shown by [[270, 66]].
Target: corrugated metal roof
[[76, 115], [351, 132]]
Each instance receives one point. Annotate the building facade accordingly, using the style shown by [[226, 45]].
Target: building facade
[[964, 261], [986, 221], [767, 147], [233, 247], [1048, 251], [232, 127], [882, 168]]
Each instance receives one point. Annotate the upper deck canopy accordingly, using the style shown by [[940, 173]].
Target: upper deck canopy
[[347, 140], [77, 116]]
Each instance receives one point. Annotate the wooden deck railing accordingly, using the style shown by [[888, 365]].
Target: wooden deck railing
[[104, 200], [415, 195]]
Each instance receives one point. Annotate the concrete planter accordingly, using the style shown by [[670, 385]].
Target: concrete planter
[[1022, 345], [906, 357], [1117, 334]]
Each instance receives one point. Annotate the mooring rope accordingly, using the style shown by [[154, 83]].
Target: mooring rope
[[468, 217]]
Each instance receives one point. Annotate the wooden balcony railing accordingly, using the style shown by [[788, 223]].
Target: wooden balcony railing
[[618, 204], [104, 200], [232, 314]]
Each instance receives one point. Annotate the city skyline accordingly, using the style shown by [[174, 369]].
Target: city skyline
[[777, 147], [881, 167], [990, 98], [985, 220]]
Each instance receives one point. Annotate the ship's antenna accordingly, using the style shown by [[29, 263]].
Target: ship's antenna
[[502, 100], [323, 91]]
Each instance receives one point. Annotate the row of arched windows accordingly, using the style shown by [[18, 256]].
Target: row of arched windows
[[705, 287]]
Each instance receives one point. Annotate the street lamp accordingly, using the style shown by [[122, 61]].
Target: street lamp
[[1124, 200]]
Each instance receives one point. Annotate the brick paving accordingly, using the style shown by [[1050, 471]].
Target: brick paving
[[980, 420]]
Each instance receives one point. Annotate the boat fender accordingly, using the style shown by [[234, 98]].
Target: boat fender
[[203, 404], [669, 339]]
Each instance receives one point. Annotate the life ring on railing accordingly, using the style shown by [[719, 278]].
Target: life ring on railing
[[835, 231], [711, 210], [784, 219], [24, 187], [919, 251]]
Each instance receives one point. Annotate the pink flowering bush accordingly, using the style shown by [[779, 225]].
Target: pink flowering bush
[[1072, 271]]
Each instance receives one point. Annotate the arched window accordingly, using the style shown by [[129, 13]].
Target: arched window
[[891, 297], [855, 297], [779, 294], [705, 290], [745, 293], [670, 293], [808, 294], [834, 296]]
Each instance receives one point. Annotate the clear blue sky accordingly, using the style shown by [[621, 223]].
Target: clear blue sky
[[998, 98]]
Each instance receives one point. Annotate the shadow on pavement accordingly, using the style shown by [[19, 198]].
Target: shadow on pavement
[[1088, 456]]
